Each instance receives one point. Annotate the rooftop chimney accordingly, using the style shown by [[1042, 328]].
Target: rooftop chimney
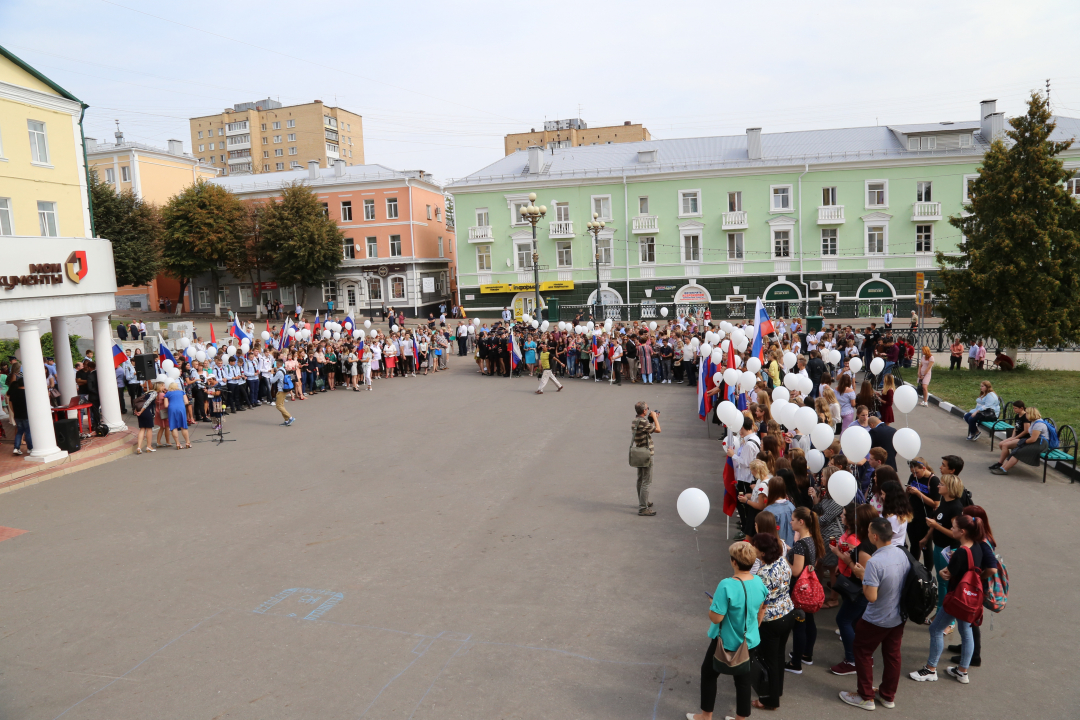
[[536, 159], [627, 123], [176, 147], [753, 143], [313, 169], [996, 122], [339, 168], [986, 109], [90, 144]]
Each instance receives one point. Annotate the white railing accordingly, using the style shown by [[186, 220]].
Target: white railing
[[647, 272], [605, 274], [781, 266], [926, 211], [480, 232], [482, 279], [561, 228], [566, 275], [828, 266], [924, 261], [236, 127], [646, 223], [830, 214], [734, 220], [875, 264], [525, 277], [692, 271], [735, 268]]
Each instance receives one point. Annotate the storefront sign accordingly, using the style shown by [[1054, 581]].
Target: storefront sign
[[40, 274], [267, 286], [429, 284], [526, 287], [56, 276], [470, 297], [664, 287], [692, 295]]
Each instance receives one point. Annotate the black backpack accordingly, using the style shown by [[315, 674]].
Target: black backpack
[[919, 595]]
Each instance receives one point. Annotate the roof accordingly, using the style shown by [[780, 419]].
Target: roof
[[942, 127], [353, 174], [21, 63]]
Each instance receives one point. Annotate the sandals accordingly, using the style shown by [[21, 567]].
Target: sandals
[[188, 446]]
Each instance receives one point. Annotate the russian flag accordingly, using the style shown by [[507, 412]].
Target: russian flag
[[316, 326], [702, 398], [515, 356], [762, 327], [731, 491], [163, 354], [416, 352], [348, 319], [238, 332], [118, 356], [213, 340]]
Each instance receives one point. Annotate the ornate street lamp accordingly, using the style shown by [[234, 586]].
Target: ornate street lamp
[[595, 227], [533, 215]]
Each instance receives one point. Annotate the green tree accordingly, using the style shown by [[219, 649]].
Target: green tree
[[201, 226], [305, 244], [134, 228], [1017, 277], [250, 253], [451, 218]]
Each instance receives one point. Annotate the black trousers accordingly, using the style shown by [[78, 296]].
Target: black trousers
[[616, 372], [232, 395], [198, 397], [774, 637], [134, 391], [123, 405], [954, 362], [709, 677], [461, 345]]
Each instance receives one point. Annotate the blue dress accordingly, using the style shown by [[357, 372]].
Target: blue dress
[[177, 411], [530, 353]]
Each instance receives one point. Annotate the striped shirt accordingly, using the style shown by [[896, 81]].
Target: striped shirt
[[643, 429]]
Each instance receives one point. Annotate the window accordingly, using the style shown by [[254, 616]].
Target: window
[[450, 245], [428, 212], [781, 198], [290, 123], [213, 146], [922, 143], [875, 239], [391, 208], [204, 297], [647, 245], [266, 140], [515, 213], [349, 249], [39, 143], [292, 151], [200, 134], [279, 152], [291, 137], [5, 216], [346, 210], [643, 206], [202, 148], [263, 128], [483, 257], [350, 296], [373, 247], [691, 248], [877, 193], [47, 218], [332, 122], [735, 246], [562, 212], [605, 250], [277, 138], [223, 298], [369, 209], [236, 126], [924, 238], [326, 209], [523, 255], [734, 201], [110, 176], [922, 191], [237, 140], [397, 288], [332, 148], [395, 246], [329, 291], [965, 140], [482, 217], [247, 299], [375, 289], [438, 215], [689, 203], [828, 242], [828, 196], [1072, 186], [287, 295], [221, 131], [277, 125], [781, 243], [279, 166], [440, 247], [968, 180], [601, 205], [222, 158], [564, 254], [266, 167], [266, 154]]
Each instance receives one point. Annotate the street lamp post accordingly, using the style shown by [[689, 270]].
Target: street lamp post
[[595, 227], [533, 215]]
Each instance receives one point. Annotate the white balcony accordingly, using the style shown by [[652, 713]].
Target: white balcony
[[525, 277], [566, 276], [830, 215], [875, 264], [735, 268], [480, 233], [692, 271], [734, 221], [483, 279], [646, 224], [925, 211], [924, 262], [236, 128], [647, 272], [561, 229], [240, 142], [605, 274], [828, 266], [781, 266]]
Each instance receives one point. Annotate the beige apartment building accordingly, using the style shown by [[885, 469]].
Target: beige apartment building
[[573, 133], [264, 136]]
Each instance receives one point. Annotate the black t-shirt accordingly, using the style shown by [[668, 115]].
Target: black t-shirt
[[930, 487], [805, 547], [666, 351], [947, 510], [958, 564], [631, 348]]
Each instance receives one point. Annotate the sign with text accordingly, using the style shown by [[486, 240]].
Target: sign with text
[[526, 287], [429, 284], [57, 266]]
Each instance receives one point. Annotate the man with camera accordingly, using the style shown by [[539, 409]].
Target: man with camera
[[643, 426]]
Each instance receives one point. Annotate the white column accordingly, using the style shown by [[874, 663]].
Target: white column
[[38, 410], [65, 370], [106, 373]]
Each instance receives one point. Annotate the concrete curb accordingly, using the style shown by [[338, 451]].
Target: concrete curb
[[1062, 468]]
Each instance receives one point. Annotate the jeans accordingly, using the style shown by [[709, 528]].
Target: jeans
[[803, 637], [974, 418], [668, 368], [253, 391], [708, 684], [937, 639], [867, 637], [850, 612], [774, 636], [309, 381], [22, 429], [571, 364]]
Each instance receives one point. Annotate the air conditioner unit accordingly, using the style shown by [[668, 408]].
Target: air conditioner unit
[[815, 284]]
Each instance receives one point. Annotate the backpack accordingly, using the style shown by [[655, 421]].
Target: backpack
[[1051, 434], [966, 500], [918, 596], [997, 590], [965, 602], [287, 382], [808, 595]]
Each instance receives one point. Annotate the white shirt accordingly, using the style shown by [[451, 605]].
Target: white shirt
[[749, 447], [462, 330]]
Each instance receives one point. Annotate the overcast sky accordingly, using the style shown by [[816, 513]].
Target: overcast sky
[[439, 84]]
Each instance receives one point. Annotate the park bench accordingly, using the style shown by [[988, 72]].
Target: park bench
[[1003, 423], [1065, 452]]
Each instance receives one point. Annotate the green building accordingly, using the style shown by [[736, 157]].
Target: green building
[[839, 219]]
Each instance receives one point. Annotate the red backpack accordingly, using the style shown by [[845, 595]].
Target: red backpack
[[808, 595], [966, 601]]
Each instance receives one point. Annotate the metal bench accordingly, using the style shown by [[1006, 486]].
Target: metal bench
[[1065, 452], [1004, 423]]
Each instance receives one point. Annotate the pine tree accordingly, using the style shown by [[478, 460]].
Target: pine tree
[[305, 245], [1017, 277], [134, 228]]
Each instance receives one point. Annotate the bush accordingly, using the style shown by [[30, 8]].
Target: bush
[[8, 347]]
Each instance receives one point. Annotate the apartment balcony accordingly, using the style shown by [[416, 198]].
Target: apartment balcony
[[242, 142], [561, 229], [331, 135], [480, 233], [566, 276], [925, 211], [734, 221], [925, 262], [830, 215], [646, 224], [236, 128], [735, 268], [525, 277]]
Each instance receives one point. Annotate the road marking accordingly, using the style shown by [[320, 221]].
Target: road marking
[[7, 533]]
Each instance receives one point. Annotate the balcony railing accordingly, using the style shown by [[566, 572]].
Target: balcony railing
[[236, 127], [925, 211], [828, 266], [875, 263], [925, 262], [781, 266], [647, 272], [734, 220], [561, 229], [646, 224], [480, 233], [830, 215]]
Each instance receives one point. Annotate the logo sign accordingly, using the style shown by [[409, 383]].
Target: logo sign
[[76, 266], [384, 271], [664, 287], [40, 274]]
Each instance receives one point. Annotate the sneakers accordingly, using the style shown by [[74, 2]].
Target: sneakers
[[956, 674], [792, 668], [995, 465], [16, 451], [923, 675], [976, 436], [290, 421], [999, 471], [885, 703], [842, 668], [975, 662], [855, 700], [646, 513]]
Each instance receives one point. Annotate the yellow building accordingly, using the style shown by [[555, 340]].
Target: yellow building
[[264, 136], [574, 133]]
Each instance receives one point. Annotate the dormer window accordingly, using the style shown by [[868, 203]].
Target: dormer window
[[965, 140], [922, 143]]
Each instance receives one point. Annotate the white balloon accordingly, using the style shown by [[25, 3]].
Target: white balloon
[[348, 326], [737, 334], [787, 417], [907, 443], [475, 321], [780, 394], [167, 365], [741, 344], [525, 317], [562, 326], [173, 373], [291, 332], [806, 385], [747, 381], [200, 355], [905, 398], [190, 351], [855, 365], [337, 335], [791, 382], [717, 378], [607, 323], [835, 357], [374, 333], [777, 409], [842, 487], [693, 506], [663, 311], [694, 343], [815, 460], [822, 436], [307, 333], [544, 326], [716, 356], [367, 324], [326, 334], [789, 360], [211, 352], [806, 419], [749, 331], [590, 325], [877, 365], [753, 365], [230, 351], [394, 328], [720, 335], [731, 376], [730, 415], [725, 344], [855, 442], [652, 326], [705, 350], [535, 324], [183, 343], [357, 334], [737, 360], [472, 329], [725, 326]]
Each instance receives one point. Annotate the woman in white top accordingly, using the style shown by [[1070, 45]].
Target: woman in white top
[[896, 508]]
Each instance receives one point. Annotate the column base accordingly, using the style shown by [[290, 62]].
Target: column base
[[117, 427], [48, 457]]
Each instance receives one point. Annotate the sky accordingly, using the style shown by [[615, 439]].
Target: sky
[[440, 83]]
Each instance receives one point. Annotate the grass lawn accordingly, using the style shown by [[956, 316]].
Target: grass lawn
[[1055, 392]]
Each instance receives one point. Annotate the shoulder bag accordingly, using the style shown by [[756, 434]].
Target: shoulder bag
[[639, 455], [734, 662]]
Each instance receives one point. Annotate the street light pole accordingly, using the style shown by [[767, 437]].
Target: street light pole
[[532, 213], [595, 227]]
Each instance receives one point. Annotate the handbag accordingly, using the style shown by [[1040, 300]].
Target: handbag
[[808, 595], [736, 662], [848, 588]]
